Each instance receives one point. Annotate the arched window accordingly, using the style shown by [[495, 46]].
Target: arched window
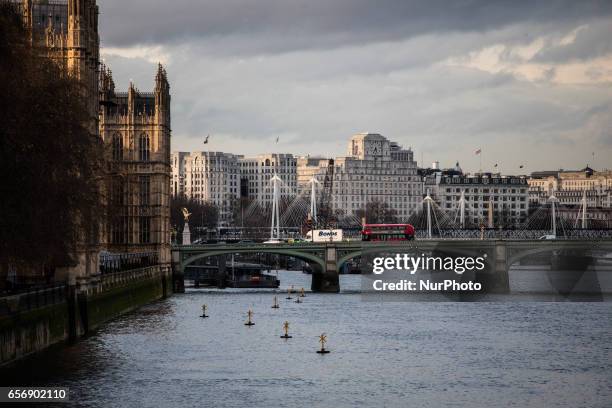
[[145, 189], [117, 147], [117, 191], [143, 148]]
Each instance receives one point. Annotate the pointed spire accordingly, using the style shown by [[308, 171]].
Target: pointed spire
[[49, 32], [161, 78], [160, 71], [161, 81], [107, 85]]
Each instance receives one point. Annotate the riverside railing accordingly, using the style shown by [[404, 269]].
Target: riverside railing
[[118, 262], [32, 298], [111, 280]]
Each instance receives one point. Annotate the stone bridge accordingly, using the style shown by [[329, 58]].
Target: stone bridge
[[326, 259]]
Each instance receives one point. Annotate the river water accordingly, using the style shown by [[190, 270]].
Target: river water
[[391, 354]]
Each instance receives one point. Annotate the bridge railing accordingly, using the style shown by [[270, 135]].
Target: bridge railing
[[514, 234]]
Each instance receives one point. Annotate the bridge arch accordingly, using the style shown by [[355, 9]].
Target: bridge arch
[[347, 257], [461, 251], [305, 256], [517, 254]]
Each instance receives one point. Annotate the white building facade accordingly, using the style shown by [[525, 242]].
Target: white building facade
[[503, 200], [375, 169], [569, 187], [212, 177], [256, 172]]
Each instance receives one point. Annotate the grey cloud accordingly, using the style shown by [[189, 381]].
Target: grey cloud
[[309, 24], [316, 82], [595, 40]]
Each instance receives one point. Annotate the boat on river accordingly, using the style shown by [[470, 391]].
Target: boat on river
[[250, 275]]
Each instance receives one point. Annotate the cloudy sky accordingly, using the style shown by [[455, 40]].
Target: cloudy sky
[[529, 84]]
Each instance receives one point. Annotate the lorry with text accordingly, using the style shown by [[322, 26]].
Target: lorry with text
[[324, 235]]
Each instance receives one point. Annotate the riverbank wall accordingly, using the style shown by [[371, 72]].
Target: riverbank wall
[[32, 321]]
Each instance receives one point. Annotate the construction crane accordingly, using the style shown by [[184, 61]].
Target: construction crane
[[325, 218]]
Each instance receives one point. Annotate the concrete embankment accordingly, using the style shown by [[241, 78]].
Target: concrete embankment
[[33, 321]]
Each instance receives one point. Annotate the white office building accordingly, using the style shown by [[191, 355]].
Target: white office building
[[570, 187], [374, 169], [256, 172], [489, 198], [208, 177]]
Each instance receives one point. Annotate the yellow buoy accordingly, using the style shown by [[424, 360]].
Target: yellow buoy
[[249, 321], [286, 328], [323, 340]]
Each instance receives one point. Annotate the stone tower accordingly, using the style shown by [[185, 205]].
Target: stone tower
[[83, 51], [135, 127], [67, 32]]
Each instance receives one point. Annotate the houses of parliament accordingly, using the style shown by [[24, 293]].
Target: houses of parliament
[[134, 126]]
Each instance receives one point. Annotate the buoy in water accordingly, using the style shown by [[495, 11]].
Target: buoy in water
[[322, 340], [286, 328], [249, 322]]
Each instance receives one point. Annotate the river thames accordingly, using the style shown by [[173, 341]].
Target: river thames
[[393, 354]]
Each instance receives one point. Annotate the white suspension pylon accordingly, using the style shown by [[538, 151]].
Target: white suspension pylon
[[313, 199], [584, 210], [275, 228], [553, 200], [428, 201], [462, 210]]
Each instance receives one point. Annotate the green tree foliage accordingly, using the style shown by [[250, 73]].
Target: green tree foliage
[[378, 212], [49, 160]]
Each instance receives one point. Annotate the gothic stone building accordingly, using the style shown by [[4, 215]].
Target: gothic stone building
[[67, 32], [135, 127]]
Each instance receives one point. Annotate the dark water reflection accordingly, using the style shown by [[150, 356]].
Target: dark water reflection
[[421, 354]]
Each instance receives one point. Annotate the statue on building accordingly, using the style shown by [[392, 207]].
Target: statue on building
[[186, 214]]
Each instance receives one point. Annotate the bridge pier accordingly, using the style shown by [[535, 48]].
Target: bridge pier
[[326, 279], [178, 277], [501, 268], [221, 274], [495, 277]]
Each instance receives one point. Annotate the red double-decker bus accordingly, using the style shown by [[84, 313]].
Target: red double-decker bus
[[387, 232]]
